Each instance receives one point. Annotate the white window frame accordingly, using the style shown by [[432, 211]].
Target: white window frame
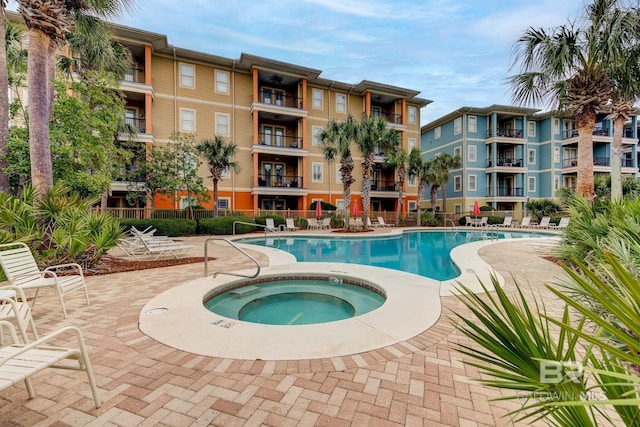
[[472, 183], [457, 151], [531, 156], [457, 183], [437, 132], [411, 144], [340, 204], [556, 126], [457, 209], [317, 172], [187, 79], [188, 201], [531, 184], [412, 205], [341, 103], [531, 130], [222, 124], [556, 182], [224, 199], [222, 81], [185, 121], [457, 125], [556, 154], [472, 124], [412, 181], [315, 135], [413, 115], [472, 153], [317, 99], [225, 172]]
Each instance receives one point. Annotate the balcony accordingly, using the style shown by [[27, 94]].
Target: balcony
[[597, 161], [506, 163], [134, 75], [384, 185], [280, 181], [387, 116], [284, 141], [140, 125], [506, 192], [280, 99], [573, 133], [505, 133]]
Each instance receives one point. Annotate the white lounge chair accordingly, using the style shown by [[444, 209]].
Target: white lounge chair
[[508, 222], [526, 222], [158, 248], [326, 223], [19, 362], [384, 224], [14, 308], [544, 222], [564, 222], [313, 224], [21, 270], [290, 225], [271, 226]]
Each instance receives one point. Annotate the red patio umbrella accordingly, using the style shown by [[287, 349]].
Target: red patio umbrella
[[318, 209], [355, 212], [476, 208]]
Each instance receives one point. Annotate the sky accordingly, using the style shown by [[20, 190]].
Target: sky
[[455, 52]]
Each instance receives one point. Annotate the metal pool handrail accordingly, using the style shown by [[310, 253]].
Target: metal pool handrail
[[206, 258]]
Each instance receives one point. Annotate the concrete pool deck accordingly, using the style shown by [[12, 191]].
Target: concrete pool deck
[[419, 381]]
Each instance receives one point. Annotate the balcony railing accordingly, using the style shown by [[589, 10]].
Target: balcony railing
[[384, 185], [627, 163], [140, 125], [506, 192], [279, 140], [130, 174], [389, 117], [572, 133], [506, 163], [280, 99], [287, 181], [506, 133], [134, 75], [597, 161]]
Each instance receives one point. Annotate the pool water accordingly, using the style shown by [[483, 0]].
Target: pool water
[[295, 301], [426, 253]]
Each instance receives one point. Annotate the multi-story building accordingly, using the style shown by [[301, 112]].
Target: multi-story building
[[273, 111], [511, 155]]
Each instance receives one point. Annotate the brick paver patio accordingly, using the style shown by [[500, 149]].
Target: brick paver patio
[[421, 381]]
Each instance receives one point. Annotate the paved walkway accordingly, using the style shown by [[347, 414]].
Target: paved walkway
[[421, 381]]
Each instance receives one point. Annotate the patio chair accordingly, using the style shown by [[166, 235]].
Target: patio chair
[[313, 224], [158, 248], [564, 222], [326, 223], [22, 271], [14, 307], [19, 362], [544, 222], [384, 224], [271, 226], [526, 222], [508, 222], [290, 225]]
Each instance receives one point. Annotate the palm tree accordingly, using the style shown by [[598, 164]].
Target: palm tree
[[446, 162], [397, 159], [423, 170], [219, 155], [4, 99], [568, 67], [372, 133], [48, 22], [337, 139]]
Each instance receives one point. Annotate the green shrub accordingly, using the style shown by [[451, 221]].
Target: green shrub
[[164, 227], [224, 225], [302, 223]]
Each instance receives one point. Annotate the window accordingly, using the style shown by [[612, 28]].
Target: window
[[457, 209], [412, 205], [556, 155], [531, 184], [556, 126], [222, 124], [224, 203], [222, 81], [316, 172], [188, 202], [437, 132], [457, 151], [187, 76], [531, 129], [412, 181], [339, 204], [556, 183], [338, 174], [315, 132], [411, 144], [187, 120], [225, 172], [317, 99], [472, 122], [531, 157], [413, 114], [341, 103], [472, 183], [457, 125], [457, 183], [471, 153]]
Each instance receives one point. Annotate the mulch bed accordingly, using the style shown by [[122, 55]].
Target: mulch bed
[[110, 265]]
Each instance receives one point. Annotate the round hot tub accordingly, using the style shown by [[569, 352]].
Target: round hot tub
[[294, 300]]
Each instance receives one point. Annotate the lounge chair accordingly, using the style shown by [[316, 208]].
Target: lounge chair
[[544, 222], [19, 362], [526, 222], [313, 224], [271, 226], [157, 248], [564, 222], [290, 225], [384, 224], [14, 307], [22, 271], [326, 223], [508, 222]]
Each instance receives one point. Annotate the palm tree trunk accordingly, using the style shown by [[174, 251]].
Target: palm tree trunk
[[399, 207], [434, 197], [616, 158], [366, 189], [444, 198], [422, 186], [4, 101], [39, 145], [215, 198]]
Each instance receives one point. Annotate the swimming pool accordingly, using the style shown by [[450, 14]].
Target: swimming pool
[[426, 253]]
